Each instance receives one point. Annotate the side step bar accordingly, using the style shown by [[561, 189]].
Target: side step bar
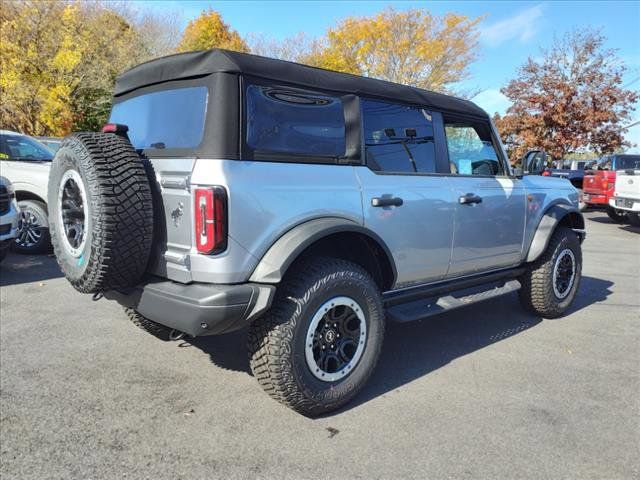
[[436, 304]]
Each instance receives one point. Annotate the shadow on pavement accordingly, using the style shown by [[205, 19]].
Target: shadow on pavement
[[415, 349], [17, 269]]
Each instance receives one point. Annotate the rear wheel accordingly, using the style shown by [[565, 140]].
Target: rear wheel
[[33, 228], [318, 345], [551, 282], [634, 219], [616, 215]]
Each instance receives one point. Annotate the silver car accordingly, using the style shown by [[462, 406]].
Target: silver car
[[230, 191]]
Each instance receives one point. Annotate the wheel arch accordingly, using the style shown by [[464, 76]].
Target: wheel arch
[[556, 215], [332, 236], [28, 195]]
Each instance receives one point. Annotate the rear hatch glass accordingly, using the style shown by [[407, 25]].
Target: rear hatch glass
[[165, 119]]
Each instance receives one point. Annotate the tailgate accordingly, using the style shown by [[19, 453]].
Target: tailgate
[[173, 218]]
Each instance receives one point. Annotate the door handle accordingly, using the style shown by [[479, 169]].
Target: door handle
[[386, 202], [470, 198]]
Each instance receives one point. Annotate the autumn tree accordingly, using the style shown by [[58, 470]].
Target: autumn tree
[[59, 60], [569, 100], [412, 47], [209, 31], [294, 49]]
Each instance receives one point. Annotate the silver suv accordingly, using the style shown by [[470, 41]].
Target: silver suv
[[230, 190]]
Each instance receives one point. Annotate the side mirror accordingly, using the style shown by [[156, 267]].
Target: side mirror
[[517, 172]]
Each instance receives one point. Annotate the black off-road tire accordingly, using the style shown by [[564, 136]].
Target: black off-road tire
[[39, 211], [634, 218], [537, 293], [161, 332], [276, 342], [3, 253], [616, 215], [119, 222]]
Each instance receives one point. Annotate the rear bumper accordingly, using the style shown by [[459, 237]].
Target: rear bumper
[[628, 204], [197, 308], [595, 198]]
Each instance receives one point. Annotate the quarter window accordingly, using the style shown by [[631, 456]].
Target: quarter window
[[283, 121], [398, 138], [471, 150]]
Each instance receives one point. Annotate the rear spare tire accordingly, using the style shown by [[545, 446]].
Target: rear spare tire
[[100, 212]]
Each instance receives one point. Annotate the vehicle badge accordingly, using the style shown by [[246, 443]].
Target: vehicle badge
[[630, 181], [176, 215]]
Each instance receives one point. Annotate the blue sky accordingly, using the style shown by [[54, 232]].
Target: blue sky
[[509, 33]]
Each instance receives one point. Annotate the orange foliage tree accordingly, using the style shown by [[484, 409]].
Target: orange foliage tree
[[570, 100]]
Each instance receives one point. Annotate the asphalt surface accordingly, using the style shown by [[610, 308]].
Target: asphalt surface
[[484, 392]]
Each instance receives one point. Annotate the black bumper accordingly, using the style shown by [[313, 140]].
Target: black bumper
[[197, 308]]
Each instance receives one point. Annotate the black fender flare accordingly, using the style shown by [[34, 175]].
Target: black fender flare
[[288, 247], [548, 223]]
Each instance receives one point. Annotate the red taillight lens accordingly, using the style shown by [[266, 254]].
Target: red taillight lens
[[211, 219], [115, 128], [605, 183], [546, 173]]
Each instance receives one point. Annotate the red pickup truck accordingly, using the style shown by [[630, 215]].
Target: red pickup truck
[[598, 186]]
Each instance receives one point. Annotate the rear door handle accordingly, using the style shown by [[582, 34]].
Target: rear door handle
[[470, 198], [386, 202]]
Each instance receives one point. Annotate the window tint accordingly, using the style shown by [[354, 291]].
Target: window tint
[[293, 122], [398, 138], [165, 119], [471, 153], [21, 147]]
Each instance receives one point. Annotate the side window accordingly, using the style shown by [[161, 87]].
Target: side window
[[294, 122], [398, 138], [471, 150]]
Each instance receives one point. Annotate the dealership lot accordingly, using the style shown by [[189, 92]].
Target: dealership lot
[[485, 392]]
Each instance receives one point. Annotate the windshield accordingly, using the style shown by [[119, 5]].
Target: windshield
[[165, 119], [21, 147]]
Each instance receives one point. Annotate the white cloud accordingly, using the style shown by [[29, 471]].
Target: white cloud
[[522, 27], [492, 101]]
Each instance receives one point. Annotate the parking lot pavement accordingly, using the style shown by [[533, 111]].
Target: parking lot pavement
[[484, 392]]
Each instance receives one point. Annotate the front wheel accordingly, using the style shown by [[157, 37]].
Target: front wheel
[[634, 219], [33, 228], [616, 215], [318, 345], [551, 282]]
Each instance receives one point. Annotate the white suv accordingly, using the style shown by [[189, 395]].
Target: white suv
[[26, 163]]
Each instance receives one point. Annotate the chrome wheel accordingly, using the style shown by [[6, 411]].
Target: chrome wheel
[[73, 214], [335, 339], [564, 273], [29, 231]]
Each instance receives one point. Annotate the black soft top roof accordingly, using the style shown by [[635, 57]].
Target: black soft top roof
[[201, 63]]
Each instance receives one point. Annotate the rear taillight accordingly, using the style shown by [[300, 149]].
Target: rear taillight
[[605, 184], [211, 219], [546, 173]]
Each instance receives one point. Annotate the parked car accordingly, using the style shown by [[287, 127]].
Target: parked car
[[599, 185], [536, 162], [308, 205], [626, 196], [52, 143], [26, 162], [8, 216]]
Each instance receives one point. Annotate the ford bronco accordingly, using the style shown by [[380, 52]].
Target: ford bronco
[[230, 190]]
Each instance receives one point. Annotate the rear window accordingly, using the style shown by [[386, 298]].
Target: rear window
[[165, 119], [628, 163], [283, 121]]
